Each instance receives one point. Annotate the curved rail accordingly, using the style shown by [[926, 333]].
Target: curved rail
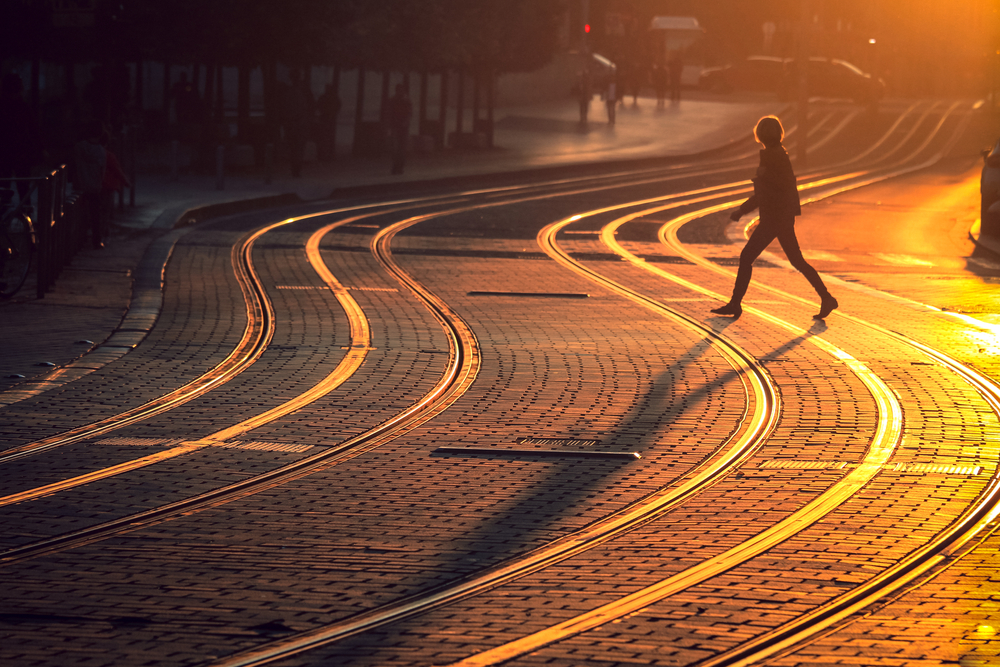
[[756, 425], [384, 254], [256, 335], [559, 551], [461, 369]]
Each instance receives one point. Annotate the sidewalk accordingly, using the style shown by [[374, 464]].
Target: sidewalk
[[105, 301]]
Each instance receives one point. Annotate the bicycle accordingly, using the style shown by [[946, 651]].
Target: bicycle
[[17, 242]]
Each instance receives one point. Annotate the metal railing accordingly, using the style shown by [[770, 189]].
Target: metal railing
[[60, 228]]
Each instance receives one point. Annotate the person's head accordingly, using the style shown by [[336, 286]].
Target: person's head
[[769, 131]]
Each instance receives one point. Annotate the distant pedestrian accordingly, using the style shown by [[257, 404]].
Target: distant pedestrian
[[777, 197], [584, 94], [675, 66], [88, 180], [611, 97], [329, 108], [20, 139], [661, 79], [398, 118]]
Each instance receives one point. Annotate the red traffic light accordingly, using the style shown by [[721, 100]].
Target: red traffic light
[[586, 27]]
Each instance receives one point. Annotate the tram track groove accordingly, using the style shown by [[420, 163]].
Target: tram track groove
[[119, 421], [418, 604], [228, 368], [980, 513], [883, 444], [381, 249], [256, 335]]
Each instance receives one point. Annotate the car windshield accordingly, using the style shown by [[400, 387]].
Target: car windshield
[[849, 66]]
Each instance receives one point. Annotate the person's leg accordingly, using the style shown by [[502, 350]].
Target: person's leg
[[758, 241], [790, 244], [756, 244]]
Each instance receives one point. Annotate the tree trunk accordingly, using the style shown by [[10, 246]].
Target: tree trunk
[[359, 114], [333, 128], [243, 102], [475, 101], [359, 99], [384, 100], [460, 106], [166, 88], [209, 104], [490, 96], [140, 79], [220, 98], [422, 110]]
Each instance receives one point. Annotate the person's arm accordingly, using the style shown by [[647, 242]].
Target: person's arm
[[749, 205]]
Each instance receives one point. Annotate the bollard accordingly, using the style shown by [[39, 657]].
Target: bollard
[[220, 167], [268, 163], [174, 148]]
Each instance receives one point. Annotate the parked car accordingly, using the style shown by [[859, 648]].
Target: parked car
[[828, 77], [831, 77], [989, 190], [757, 73]]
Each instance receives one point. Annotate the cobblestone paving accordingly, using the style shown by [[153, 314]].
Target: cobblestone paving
[[403, 518]]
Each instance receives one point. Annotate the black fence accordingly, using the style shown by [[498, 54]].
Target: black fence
[[61, 228]]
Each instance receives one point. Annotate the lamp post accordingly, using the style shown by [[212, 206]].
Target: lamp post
[[803, 73]]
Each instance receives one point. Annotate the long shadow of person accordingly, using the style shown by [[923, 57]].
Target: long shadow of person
[[566, 493]]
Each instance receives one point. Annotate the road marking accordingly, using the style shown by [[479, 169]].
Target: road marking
[[901, 260], [821, 256], [992, 266]]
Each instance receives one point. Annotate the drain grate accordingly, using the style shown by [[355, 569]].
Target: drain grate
[[300, 287], [532, 451], [256, 445], [925, 468], [555, 295], [557, 442], [373, 289], [939, 468], [261, 446], [791, 464], [138, 442]]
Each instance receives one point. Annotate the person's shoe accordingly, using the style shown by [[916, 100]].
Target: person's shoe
[[826, 306], [733, 309]]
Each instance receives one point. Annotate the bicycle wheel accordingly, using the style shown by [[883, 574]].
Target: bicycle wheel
[[15, 255]]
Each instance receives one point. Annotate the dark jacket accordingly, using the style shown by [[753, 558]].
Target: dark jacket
[[774, 189]]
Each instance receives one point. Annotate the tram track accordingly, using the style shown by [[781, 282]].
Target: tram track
[[260, 320], [980, 513], [261, 323], [884, 443], [382, 250]]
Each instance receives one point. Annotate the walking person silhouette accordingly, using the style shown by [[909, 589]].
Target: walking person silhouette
[[777, 197]]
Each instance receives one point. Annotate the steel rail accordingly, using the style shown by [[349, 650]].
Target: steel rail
[[753, 429], [213, 439], [304, 473], [196, 387], [600, 532], [883, 443], [360, 343], [256, 335], [981, 512], [462, 366]]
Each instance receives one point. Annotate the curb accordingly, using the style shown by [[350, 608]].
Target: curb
[[988, 243], [147, 295], [147, 287]]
